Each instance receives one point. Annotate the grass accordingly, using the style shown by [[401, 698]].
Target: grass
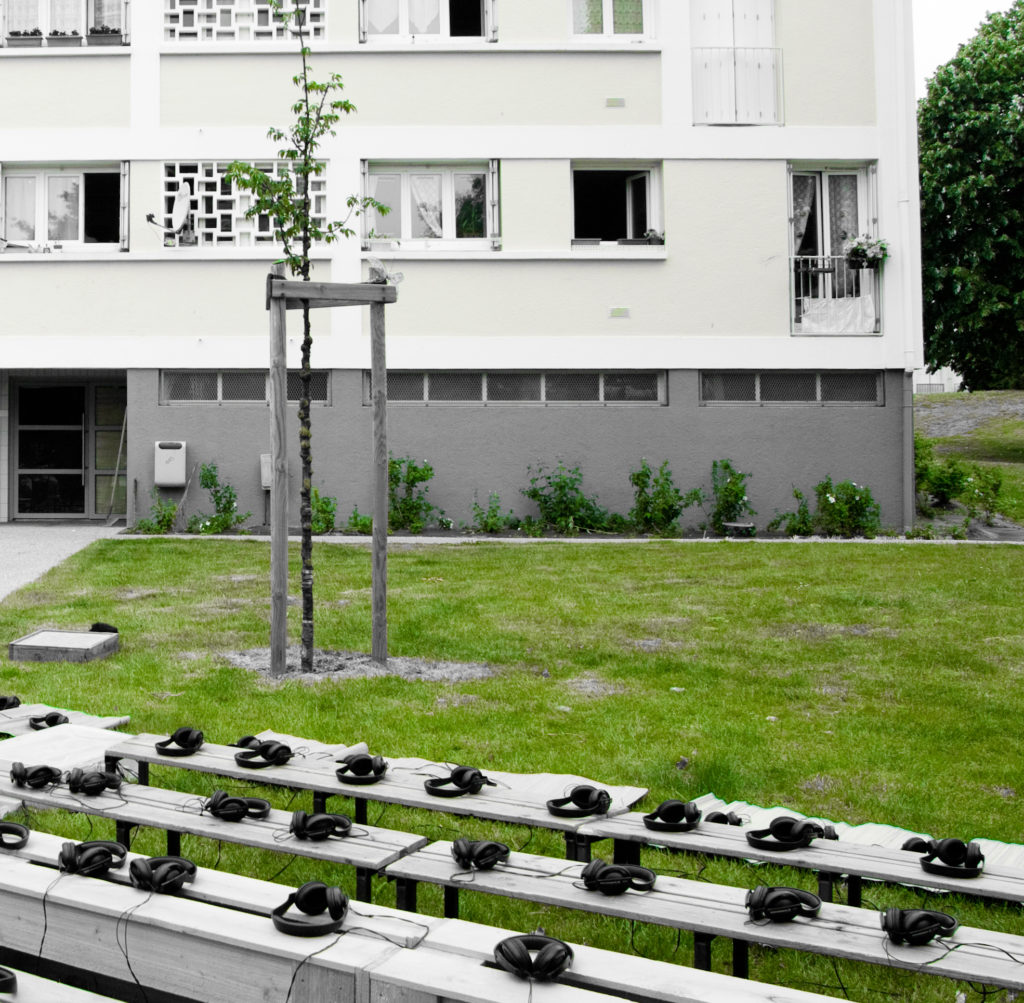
[[855, 681]]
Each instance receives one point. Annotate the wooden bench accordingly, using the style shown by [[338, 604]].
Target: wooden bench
[[178, 813], [711, 911], [830, 858], [16, 720], [33, 989], [453, 959], [401, 785]]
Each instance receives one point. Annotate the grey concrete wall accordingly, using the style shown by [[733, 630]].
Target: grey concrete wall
[[476, 450]]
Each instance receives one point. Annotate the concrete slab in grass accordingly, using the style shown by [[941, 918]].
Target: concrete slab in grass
[[62, 646]]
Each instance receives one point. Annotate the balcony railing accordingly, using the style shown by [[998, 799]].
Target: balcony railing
[[830, 297], [737, 86]]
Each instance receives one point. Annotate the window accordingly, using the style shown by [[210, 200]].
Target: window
[[80, 207], [433, 205], [604, 18], [239, 20], [796, 387], [737, 71], [576, 387], [427, 19], [218, 207], [69, 19], [616, 203], [241, 386]]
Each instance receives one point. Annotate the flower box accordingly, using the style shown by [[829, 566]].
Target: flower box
[[105, 38], [24, 41], [63, 41]]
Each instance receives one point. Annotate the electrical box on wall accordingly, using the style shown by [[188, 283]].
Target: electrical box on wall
[[169, 464], [266, 473]]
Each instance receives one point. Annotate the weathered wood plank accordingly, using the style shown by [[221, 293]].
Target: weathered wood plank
[[347, 293], [16, 720], [65, 747], [33, 989]]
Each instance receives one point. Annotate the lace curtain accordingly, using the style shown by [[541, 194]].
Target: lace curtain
[[844, 218], [62, 209], [424, 17], [387, 189], [19, 208], [23, 15], [65, 16], [382, 17], [628, 17], [804, 191], [426, 201], [106, 12], [586, 17]]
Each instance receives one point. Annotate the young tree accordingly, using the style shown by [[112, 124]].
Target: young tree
[[285, 197], [971, 127]]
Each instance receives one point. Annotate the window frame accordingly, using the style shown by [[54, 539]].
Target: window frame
[[819, 375], [443, 36], [220, 401], [652, 170], [405, 171], [86, 20], [608, 33], [41, 174]]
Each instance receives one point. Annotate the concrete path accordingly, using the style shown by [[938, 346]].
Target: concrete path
[[29, 549]]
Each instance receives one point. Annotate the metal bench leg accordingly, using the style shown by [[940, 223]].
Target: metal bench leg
[[826, 879], [577, 847], [405, 894], [451, 902], [625, 851], [853, 889], [702, 951], [124, 833], [359, 811], [319, 802], [364, 884], [740, 959], [173, 844]]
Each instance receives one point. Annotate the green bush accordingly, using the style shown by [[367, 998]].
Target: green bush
[[325, 508], [408, 507], [359, 523], [730, 495], [225, 503], [924, 457], [947, 480], [981, 493], [846, 509], [563, 506], [491, 519], [798, 523], [162, 514], [658, 503]]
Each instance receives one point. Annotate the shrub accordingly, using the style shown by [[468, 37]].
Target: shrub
[[162, 514], [324, 510], [947, 480], [491, 519], [981, 493], [225, 503], [408, 507], [563, 506], [798, 523], [658, 503], [924, 457], [846, 509], [359, 523], [730, 495]]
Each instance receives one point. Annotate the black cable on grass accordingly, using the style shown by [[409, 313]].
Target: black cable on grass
[[839, 978], [293, 857], [376, 821]]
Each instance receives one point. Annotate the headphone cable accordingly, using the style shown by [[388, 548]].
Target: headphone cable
[[291, 985], [123, 948]]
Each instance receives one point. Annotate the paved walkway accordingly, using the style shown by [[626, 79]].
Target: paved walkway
[[30, 549]]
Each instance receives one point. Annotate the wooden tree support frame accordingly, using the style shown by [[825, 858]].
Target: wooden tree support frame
[[284, 295]]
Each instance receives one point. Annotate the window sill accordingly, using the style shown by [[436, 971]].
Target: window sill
[[281, 46], [265, 255], [608, 252], [8, 51]]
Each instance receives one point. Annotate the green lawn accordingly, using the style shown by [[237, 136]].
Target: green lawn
[[863, 682]]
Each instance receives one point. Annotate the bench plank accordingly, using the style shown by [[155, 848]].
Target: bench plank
[[33, 989], [16, 720]]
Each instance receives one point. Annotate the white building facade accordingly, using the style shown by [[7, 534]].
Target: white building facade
[[621, 225]]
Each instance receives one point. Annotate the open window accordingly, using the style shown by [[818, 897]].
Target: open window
[[434, 205], [616, 203], [80, 207], [63, 22], [619, 19], [427, 19]]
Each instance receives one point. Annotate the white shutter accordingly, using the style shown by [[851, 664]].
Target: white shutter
[[493, 208], [714, 61], [711, 23], [491, 20], [124, 227], [362, 21], [752, 23]]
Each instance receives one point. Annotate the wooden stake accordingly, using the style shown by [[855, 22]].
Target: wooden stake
[[379, 377], [278, 482]]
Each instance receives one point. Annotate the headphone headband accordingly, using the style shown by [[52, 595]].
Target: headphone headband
[[462, 780], [781, 904], [49, 720], [19, 833], [533, 956], [916, 926], [788, 833], [582, 800], [184, 742], [673, 816], [360, 768], [616, 879], [313, 898], [482, 854], [8, 981]]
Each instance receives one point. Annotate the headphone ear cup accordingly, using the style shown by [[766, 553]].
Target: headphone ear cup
[[19, 775], [140, 873], [973, 857], [462, 853], [511, 955], [311, 898], [337, 902], [951, 851], [550, 961], [916, 845], [67, 860], [298, 825], [755, 901]]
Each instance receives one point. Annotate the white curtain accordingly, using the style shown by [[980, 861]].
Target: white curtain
[[382, 17], [586, 17], [62, 209], [19, 208], [424, 17], [628, 17], [426, 200], [23, 15], [65, 16], [105, 12], [387, 189], [805, 188]]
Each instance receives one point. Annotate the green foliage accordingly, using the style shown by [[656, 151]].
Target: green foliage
[[359, 523], [846, 509], [162, 514], [946, 480], [491, 519], [658, 503], [325, 508], [798, 523], [924, 457], [225, 504], [982, 490], [408, 507], [563, 506], [728, 487], [971, 131]]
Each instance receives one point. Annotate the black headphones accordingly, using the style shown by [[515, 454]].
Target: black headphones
[[313, 898], [184, 742], [482, 854], [614, 879], [361, 768], [533, 956], [92, 782], [916, 926], [781, 904], [9, 703], [233, 809], [92, 859], [8, 981], [673, 816], [462, 780], [48, 720], [316, 828], [166, 875], [34, 776], [957, 859], [722, 818], [15, 829], [258, 754], [581, 801], [788, 833]]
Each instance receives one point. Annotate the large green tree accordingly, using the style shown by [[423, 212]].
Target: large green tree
[[971, 128]]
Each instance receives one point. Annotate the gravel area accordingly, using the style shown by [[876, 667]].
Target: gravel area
[[939, 416]]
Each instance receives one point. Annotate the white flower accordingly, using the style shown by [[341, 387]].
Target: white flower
[[831, 499]]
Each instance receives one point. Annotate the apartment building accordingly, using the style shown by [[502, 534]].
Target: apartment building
[[620, 222]]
